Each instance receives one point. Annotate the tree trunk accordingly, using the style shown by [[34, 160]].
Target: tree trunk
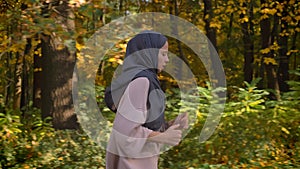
[[178, 43], [37, 77], [283, 74], [57, 71], [25, 78], [247, 29], [230, 26], [208, 15], [294, 47], [270, 68]]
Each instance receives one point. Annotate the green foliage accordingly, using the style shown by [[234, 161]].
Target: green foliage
[[254, 132], [19, 136], [249, 99], [33, 143]]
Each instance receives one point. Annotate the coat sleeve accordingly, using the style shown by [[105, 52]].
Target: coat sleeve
[[129, 137]]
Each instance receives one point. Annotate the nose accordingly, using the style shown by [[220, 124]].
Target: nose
[[167, 59]]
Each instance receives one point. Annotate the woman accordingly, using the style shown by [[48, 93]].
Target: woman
[[139, 128]]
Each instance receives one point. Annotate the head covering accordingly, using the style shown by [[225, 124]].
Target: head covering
[[143, 49], [141, 60]]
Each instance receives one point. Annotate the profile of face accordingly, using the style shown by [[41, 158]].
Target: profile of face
[[163, 58]]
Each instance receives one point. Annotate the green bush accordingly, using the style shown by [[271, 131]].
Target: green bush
[[254, 132], [27, 141]]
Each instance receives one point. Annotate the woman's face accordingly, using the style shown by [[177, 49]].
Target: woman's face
[[163, 58]]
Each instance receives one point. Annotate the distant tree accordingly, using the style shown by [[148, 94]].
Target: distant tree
[[208, 16], [248, 42], [268, 66], [283, 67]]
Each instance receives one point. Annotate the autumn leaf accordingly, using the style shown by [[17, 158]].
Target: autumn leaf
[[285, 130], [268, 60], [265, 51]]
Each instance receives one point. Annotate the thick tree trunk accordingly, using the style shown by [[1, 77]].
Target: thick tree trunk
[[57, 71]]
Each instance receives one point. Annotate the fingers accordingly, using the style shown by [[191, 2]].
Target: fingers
[[175, 137], [185, 114], [184, 123], [183, 120], [173, 127]]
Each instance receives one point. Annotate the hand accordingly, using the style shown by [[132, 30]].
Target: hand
[[182, 120], [172, 136]]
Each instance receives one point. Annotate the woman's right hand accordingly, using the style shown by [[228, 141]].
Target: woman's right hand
[[172, 136]]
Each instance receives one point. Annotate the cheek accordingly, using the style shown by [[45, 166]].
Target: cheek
[[160, 60]]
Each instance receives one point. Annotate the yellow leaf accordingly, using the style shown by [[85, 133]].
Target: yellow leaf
[[285, 130], [215, 25], [268, 11], [292, 2], [79, 46], [279, 7], [245, 19], [120, 61], [123, 46], [229, 10], [265, 16], [112, 59], [265, 51], [262, 164], [287, 18], [206, 16], [60, 47], [270, 60], [26, 166], [264, 11], [292, 51], [272, 11]]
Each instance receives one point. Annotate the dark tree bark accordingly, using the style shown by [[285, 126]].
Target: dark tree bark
[[283, 68], [175, 32], [208, 15], [37, 77], [25, 78], [294, 47], [268, 68], [57, 71], [248, 30], [230, 26]]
